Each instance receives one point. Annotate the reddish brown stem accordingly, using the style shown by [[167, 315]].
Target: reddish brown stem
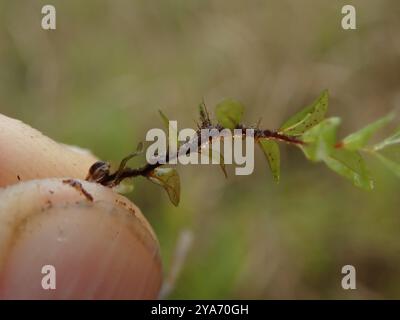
[[115, 178]]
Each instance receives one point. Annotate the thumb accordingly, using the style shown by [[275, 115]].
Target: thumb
[[98, 242]]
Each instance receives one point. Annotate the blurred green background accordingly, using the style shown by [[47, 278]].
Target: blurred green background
[[99, 79]]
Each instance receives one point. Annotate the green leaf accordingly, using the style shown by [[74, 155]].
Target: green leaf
[[173, 138], [350, 165], [229, 113], [390, 164], [272, 153], [214, 156], [308, 117], [390, 157], [124, 161], [359, 139], [168, 178], [320, 140], [392, 140]]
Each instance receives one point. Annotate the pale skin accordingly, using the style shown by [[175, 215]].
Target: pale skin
[[99, 242]]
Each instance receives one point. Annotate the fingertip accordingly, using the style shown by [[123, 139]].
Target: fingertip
[[101, 248], [27, 154]]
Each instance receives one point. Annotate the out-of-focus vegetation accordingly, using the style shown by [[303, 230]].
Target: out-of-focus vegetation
[[99, 79]]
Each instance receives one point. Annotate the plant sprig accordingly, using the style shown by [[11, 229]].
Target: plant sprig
[[308, 129]]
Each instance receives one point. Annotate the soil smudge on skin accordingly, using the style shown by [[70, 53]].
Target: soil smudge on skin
[[78, 186]]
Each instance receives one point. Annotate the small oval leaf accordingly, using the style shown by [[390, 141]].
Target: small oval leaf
[[390, 164], [359, 139], [390, 157], [214, 157], [350, 165], [272, 153], [124, 161], [307, 118], [320, 140], [217, 157], [168, 178], [229, 113]]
